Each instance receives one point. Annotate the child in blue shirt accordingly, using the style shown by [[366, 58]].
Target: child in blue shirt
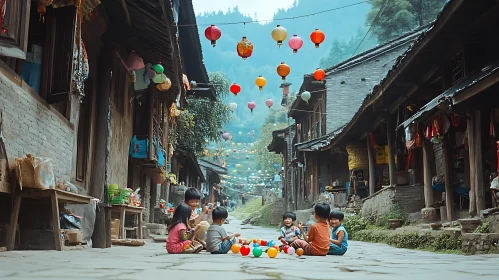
[[289, 232], [338, 243]]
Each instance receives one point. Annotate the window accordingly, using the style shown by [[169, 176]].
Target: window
[[14, 28]]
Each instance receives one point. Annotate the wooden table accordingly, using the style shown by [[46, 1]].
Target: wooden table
[[57, 198], [123, 210]]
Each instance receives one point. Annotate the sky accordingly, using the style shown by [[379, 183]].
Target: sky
[[264, 9]]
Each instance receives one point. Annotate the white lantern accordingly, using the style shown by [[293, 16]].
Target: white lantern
[[305, 96], [233, 106]]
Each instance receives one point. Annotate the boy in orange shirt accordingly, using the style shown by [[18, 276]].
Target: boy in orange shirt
[[316, 242]]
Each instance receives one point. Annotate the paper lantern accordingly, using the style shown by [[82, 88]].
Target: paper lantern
[[305, 96], [134, 61], [158, 68], [295, 43], [317, 37], [251, 106], [283, 70], [244, 48], [213, 33], [279, 34], [159, 78], [260, 82], [150, 73], [225, 136], [164, 86], [235, 88], [319, 74], [232, 106], [269, 102]]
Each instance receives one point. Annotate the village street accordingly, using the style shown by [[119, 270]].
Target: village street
[[362, 261]]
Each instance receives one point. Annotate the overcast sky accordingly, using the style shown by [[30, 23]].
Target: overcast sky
[[264, 9]]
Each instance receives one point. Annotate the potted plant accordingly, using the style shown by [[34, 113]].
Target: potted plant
[[395, 223], [395, 217], [469, 225]]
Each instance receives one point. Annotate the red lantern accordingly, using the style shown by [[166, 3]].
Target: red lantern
[[213, 33], [235, 89], [244, 48], [317, 37], [319, 74]]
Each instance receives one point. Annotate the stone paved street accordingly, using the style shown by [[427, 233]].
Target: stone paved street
[[362, 261]]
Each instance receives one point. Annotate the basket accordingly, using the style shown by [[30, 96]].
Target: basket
[[121, 197]]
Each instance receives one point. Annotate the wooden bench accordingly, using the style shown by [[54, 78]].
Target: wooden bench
[[58, 198]]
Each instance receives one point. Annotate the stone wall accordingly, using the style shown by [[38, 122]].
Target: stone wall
[[480, 243], [493, 220], [32, 126], [276, 212], [408, 198]]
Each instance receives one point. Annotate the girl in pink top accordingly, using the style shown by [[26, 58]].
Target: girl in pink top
[[180, 234]]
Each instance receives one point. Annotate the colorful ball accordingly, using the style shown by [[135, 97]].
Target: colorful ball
[[257, 252], [272, 252], [270, 243], [291, 251], [235, 248], [277, 248], [285, 248], [299, 251], [245, 250], [256, 245], [263, 242]]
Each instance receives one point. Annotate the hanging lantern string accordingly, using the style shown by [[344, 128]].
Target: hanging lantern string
[[276, 19]]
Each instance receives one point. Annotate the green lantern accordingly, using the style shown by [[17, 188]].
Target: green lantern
[[158, 68]]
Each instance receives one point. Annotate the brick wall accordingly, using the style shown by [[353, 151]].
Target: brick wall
[[408, 198], [32, 126], [347, 88]]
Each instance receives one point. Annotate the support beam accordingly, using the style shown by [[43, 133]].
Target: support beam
[[427, 157], [476, 161], [372, 166], [471, 142], [449, 191], [391, 148], [150, 118]]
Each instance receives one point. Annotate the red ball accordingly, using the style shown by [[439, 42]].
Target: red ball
[[245, 250], [285, 248], [263, 242], [276, 247]]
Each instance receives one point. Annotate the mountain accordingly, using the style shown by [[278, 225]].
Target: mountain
[[339, 25]]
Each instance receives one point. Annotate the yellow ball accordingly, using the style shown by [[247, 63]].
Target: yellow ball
[[272, 252], [235, 248], [299, 251]]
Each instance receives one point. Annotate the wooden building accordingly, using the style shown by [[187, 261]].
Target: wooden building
[[69, 94]]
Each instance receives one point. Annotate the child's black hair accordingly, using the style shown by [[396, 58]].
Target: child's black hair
[[290, 215], [181, 215], [219, 213], [322, 210], [335, 214], [192, 193]]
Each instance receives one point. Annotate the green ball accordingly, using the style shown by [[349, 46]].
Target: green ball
[[257, 251]]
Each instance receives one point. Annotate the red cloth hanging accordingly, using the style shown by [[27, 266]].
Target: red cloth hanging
[[372, 140]]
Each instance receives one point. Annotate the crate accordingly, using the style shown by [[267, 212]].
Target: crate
[[122, 197]]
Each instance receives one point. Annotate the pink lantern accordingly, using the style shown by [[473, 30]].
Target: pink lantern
[[269, 102], [251, 106], [295, 43], [226, 136], [134, 61], [150, 73]]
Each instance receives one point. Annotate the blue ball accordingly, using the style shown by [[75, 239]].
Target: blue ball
[[256, 245], [270, 243]]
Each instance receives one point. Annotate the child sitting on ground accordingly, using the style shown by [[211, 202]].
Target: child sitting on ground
[[339, 236], [192, 198], [316, 243], [180, 234], [217, 240], [289, 232]]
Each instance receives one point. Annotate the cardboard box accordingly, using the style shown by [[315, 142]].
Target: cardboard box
[[115, 223], [115, 233], [73, 236]]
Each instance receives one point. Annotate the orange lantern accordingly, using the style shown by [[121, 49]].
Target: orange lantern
[[319, 74], [244, 48], [317, 37], [283, 70], [260, 82]]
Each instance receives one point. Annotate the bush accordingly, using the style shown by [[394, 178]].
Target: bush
[[354, 224], [394, 213], [483, 228]]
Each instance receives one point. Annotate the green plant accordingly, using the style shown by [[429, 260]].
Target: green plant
[[394, 213], [354, 224], [483, 228]]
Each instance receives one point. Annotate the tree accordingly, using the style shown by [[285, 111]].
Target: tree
[[203, 119], [401, 16]]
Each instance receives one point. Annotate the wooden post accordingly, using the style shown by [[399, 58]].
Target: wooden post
[[391, 149], [476, 161], [372, 166], [428, 191], [150, 130], [449, 191], [472, 164]]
